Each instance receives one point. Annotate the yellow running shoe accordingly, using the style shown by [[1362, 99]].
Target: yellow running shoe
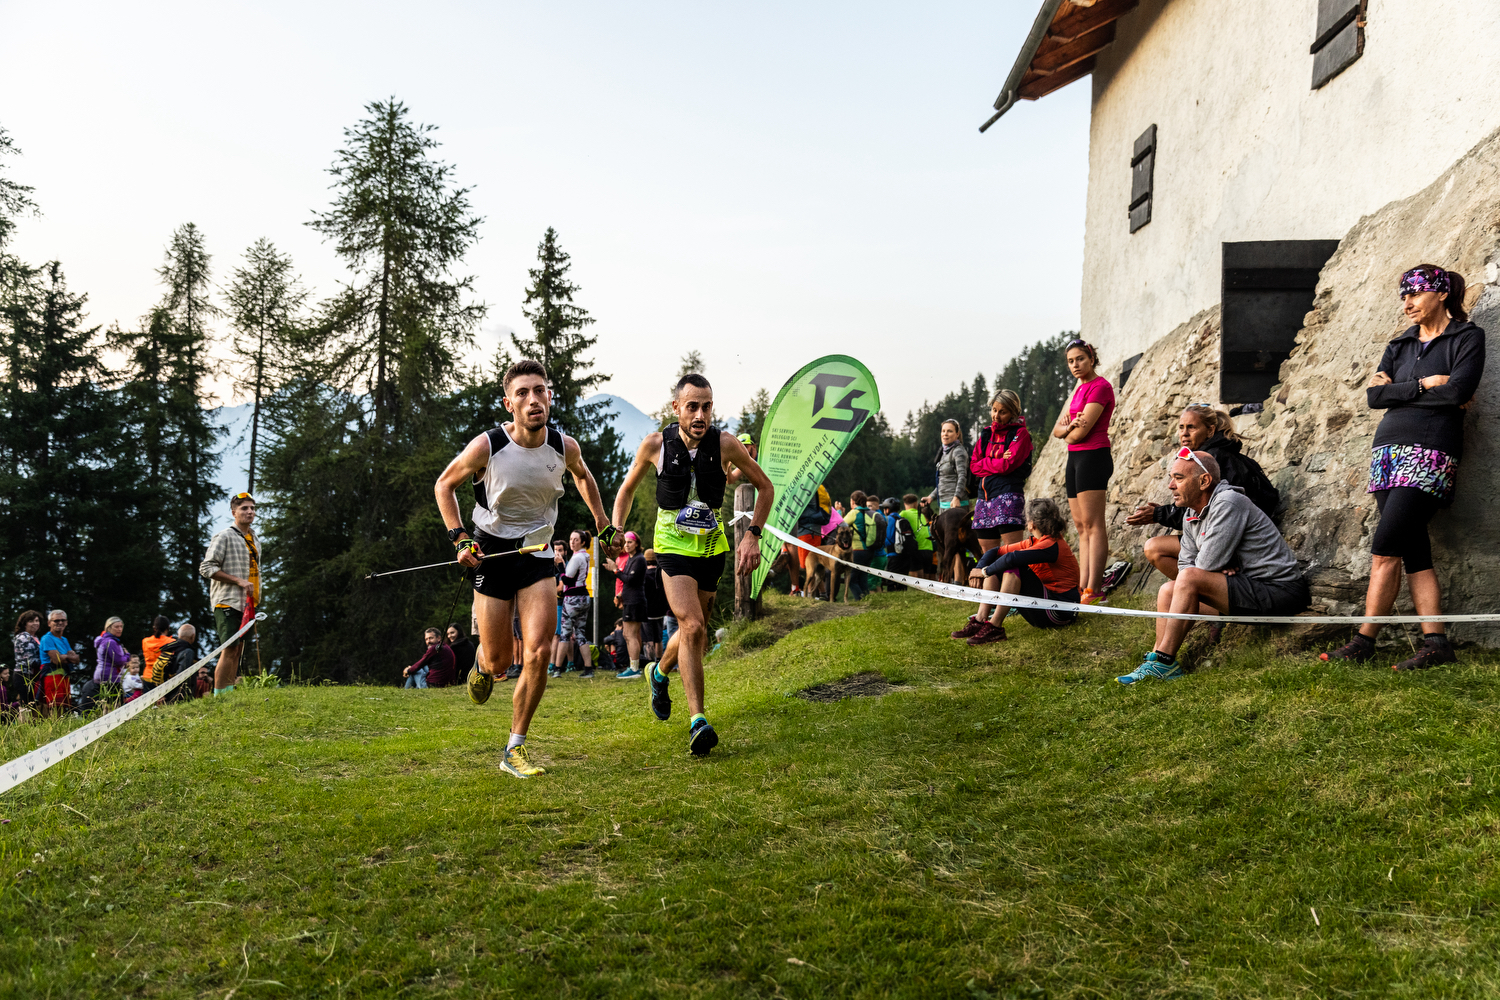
[[517, 763], [480, 685]]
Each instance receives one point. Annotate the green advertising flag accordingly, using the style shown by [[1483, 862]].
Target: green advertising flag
[[815, 416]]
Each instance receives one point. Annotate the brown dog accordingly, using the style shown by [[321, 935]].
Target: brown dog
[[820, 566], [952, 532]]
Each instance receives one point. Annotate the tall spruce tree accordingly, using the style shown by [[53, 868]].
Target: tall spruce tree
[[15, 199], [265, 300], [558, 341], [69, 477], [401, 228], [359, 434]]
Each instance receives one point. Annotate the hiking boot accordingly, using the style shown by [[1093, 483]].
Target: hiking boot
[[702, 739], [1157, 665], [987, 633], [480, 685], [1434, 650], [970, 627], [1359, 649], [661, 698]]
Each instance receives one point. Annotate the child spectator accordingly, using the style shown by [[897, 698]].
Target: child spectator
[[131, 684], [1041, 566], [12, 695]]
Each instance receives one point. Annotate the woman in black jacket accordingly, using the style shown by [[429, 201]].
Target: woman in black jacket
[[1203, 428], [1425, 379], [632, 574]]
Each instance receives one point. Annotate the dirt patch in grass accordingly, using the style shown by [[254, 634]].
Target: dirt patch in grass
[[866, 685], [782, 617]]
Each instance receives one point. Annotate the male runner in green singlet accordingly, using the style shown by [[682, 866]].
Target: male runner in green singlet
[[517, 470], [691, 457]]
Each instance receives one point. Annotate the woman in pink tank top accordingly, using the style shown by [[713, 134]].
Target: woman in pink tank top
[[1084, 425]]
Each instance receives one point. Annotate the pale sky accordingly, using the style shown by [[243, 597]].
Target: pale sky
[[765, 183]]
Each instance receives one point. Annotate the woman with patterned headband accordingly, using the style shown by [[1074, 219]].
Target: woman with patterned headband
[[1423, 382]]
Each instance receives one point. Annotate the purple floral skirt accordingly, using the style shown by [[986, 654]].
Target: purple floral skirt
[[1006, 512]]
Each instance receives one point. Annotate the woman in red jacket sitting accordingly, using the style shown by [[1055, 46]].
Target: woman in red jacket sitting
[[1041, 566]]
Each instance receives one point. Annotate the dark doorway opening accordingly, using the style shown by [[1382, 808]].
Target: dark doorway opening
[[1267, 291]]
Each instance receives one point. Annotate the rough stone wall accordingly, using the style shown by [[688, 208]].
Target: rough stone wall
[[1314, 437]]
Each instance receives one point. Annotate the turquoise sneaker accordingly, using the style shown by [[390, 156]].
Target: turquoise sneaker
[[1155, 665]]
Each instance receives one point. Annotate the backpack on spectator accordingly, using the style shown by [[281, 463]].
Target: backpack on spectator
[[906, 538]]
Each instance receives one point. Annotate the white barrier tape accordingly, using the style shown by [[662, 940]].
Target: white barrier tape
[[31, 764], [960, 593]]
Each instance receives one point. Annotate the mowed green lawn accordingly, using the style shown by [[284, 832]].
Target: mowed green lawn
[[1010, 822]]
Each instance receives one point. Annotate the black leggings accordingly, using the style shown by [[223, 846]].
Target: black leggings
[[1402, 531]]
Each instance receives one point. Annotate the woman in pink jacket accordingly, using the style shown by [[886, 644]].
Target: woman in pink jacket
[[1001, 460]]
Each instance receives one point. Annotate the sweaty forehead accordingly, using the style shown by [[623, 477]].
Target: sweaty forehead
[[695, 395]]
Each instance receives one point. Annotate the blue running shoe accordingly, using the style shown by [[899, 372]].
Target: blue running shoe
[[661, 700], [1156, 665], [629, 674], [702, 739]]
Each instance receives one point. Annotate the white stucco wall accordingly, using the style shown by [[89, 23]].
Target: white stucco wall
[[1247, 151]]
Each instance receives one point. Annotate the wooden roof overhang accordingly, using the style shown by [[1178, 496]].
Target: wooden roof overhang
[[1064, 41]]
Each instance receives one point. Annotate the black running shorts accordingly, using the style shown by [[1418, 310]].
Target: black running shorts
[[1088, 470], [1249, 596], [705, 569], [503, 578], [633, 612]]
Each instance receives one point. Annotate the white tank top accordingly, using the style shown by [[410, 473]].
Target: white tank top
[[516, 495]]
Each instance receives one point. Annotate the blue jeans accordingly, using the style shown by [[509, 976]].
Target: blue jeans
[[418, 679], [668, 629]]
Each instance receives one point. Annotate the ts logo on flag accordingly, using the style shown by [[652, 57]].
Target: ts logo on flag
[[823, 381]]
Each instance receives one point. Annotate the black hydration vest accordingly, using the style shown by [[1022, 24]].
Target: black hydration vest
[[674, 480]]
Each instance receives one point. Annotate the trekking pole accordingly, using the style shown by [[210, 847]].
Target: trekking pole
[[523, 550]]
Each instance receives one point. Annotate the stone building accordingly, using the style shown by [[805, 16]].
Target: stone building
[[1259, 176]]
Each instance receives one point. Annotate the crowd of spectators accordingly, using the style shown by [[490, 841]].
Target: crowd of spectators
[[49, 674]]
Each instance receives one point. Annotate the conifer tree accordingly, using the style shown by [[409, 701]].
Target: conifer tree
[[558, 341], [401, 227], [265, 301], [15, 199], [69, 480]]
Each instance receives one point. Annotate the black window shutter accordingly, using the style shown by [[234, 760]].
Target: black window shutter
[[1142, 175], [1339, 38]]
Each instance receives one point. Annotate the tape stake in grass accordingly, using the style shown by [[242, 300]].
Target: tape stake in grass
[[1316, 921]]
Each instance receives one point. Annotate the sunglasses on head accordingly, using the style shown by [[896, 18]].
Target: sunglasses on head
[[1187, 454]]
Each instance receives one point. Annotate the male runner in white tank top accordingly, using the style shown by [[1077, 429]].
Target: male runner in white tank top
[[517, 471]]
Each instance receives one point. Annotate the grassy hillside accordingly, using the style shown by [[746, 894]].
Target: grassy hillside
[[1007, 822]]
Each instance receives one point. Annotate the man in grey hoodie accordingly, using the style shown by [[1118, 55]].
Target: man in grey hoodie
[[1233, 562]]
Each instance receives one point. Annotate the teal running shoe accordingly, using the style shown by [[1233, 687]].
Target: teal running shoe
[[1157, 665], [702, 738], [661, 700]]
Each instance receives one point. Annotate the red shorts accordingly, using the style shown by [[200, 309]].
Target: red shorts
[[56, 690], [814, 540]]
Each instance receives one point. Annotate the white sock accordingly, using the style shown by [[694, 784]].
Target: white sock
[[635, 664], [516, 739]]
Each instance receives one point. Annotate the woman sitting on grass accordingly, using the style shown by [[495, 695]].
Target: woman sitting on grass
[[1041, 566]]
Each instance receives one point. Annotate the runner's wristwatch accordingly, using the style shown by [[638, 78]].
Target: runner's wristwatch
[[453, 534], [755, 530]]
